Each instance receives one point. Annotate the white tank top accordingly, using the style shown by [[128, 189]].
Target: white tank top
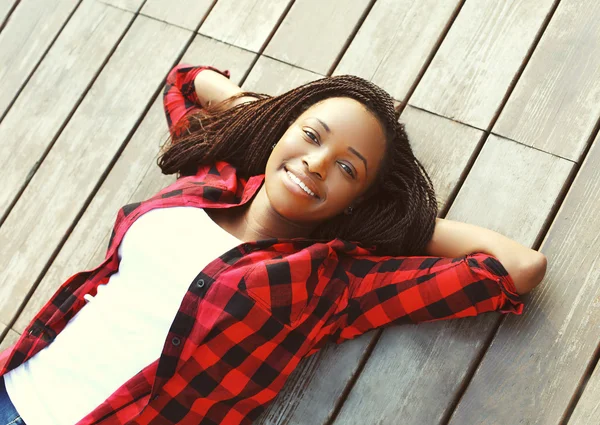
[[124, 327]]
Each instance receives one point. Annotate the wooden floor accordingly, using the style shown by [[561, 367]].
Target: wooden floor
[[501, 102]]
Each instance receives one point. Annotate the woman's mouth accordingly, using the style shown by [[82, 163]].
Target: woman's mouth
[[296, 186]]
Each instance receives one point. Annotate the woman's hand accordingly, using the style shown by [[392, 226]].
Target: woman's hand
[[451, 238]]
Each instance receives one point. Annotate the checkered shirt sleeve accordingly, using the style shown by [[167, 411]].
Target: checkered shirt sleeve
[[179, 96], [402, 290]]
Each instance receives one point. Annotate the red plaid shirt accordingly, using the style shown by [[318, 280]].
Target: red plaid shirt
[[254, 312]]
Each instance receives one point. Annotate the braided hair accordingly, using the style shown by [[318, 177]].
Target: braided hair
[[399, 217]]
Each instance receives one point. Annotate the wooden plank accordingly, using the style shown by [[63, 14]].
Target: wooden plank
[[10, 338], [265, 77], [536, 363], [130, 5], [135, 177], [394, 42], [313, 32], [36, 117], [28, 33], [5, 8], [184, 13], [469, 76], [87, 145], [555, 106], [587, 409], [442, 146], [248, 26], [510, 189]]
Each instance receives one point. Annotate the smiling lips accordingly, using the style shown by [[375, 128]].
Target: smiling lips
[[301, 183]]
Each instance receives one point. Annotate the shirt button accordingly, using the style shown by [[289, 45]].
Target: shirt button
[[200, 283], [176, 341]]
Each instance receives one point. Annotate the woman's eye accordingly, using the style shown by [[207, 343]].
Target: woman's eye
[[312, 136], [347, 169]]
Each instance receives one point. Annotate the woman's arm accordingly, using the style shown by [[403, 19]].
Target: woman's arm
[[212, 87], [451, 238], [188, 90]]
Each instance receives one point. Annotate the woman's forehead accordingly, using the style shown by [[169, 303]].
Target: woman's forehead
[[350, 124]]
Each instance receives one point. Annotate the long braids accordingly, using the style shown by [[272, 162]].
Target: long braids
[[398, 214]]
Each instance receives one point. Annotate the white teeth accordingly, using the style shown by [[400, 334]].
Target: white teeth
[[299, 183]]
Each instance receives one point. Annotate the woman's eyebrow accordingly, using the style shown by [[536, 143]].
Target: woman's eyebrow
[[325, 126], [355, 152]]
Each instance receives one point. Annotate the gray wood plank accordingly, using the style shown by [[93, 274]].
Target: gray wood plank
[[394, 42], [58, 191], [30, 30], [313, 32], [10, 338], [265, 77], [535, 363], [130, 5], [510, 189], [442, 146], [555, 104], [5, 8], [587, 410], [185, 13], [53, 91], [135, 177], [248, 26], [469, 76]]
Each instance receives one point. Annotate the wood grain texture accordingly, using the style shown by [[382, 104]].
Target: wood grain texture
[[394, 42], [535, 362], [135, 177], [313, 32], [587, 410], [5, 8], [37, 116], [10, 339], [510, 189], [442, 146], [556, 102], [130, 5], [30, 30], [470, 73], [266, 77], [247, 25], [87, 145], [184, 13]]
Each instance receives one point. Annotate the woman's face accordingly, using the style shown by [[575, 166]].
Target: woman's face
[[335, 148]]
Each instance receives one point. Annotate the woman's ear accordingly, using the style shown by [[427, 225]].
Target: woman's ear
[[358, 200]]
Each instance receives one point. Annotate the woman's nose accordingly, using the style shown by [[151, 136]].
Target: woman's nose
[[316, 165]]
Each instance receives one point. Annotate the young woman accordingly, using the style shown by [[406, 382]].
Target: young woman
[[295, 220]]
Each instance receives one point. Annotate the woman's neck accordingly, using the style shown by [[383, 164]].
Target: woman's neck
[[257, 220]]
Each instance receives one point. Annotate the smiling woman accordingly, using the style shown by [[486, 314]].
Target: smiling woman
[[296, 220], [339, 136]]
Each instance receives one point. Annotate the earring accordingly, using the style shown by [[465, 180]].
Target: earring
[[273, 147], [349, 210]]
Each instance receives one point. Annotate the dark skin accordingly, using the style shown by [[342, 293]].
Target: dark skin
[[338, 162]]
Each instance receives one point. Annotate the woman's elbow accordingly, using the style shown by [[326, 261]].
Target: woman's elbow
[[530, 274]]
